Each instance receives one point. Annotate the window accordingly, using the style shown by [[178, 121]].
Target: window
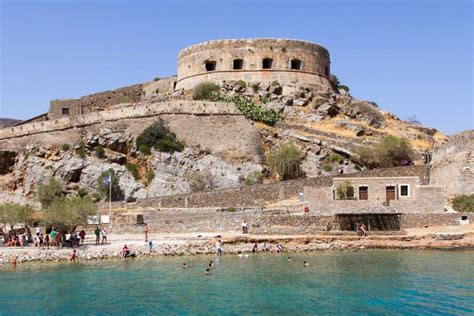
[[65, 111], [238, 64], [464, 218], [296, 64], [267, 63], [210, 65], [363, 192], [326, 71], [140, 219], [404, 190]]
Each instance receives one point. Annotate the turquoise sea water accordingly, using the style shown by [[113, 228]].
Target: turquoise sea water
[[368, 282]]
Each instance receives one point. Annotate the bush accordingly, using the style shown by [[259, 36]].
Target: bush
[[99, 151], [392, 151], [250, 109], [334, 157], [156, 78], [150, 175], [157, 91], [65, 147], [285, 162], [131, 199], [345, 191], [133, 170], [159, 137], [82, 192], [103, 187], [48, 193], [255, 86], [463, 203], [204, 90], [242, 84], [369, 110], [337, 84], [81, 151], [231, 209], [327, 168], [254, 177], [199, 181]]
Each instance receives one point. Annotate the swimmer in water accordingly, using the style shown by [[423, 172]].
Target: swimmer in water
[[289, 259], [211, 264], [184, 265], [306, 264], [14, 261], [73, 256], [207, 272]]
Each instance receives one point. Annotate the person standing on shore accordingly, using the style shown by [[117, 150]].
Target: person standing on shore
[[82, 235], [52, 236], [244, 227], [73, 256], [104, 235], [218, 248], [145, 231], [38, 231], [97, 235], [150, 245], [58, 239]]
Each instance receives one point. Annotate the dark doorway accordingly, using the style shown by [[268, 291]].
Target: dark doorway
[[390, 193], [210, 65], [363, 193], [238, 63], [267, 63]]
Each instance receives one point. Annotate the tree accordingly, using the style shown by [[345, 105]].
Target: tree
[[12, 214], [103, 187], [159, 137], [47, 193], [345, 191], [69, 212], [391, 151], [285, 162]]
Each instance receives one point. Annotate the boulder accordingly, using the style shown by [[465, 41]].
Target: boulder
[[275, 106], [300, 102], [327, 109]]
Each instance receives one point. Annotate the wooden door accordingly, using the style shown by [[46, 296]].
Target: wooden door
[[390, 193]]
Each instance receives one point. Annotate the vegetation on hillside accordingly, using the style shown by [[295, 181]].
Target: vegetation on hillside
[[159, 137], [391, 151], [103, 186], [463, 203], [254, 177], [204, 90], [337, 84], [285, 162], [345, 191]]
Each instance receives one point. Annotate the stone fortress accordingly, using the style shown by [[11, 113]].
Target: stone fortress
[[293, 64]]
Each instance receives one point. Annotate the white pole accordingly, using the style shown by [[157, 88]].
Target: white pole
[[110, 193]]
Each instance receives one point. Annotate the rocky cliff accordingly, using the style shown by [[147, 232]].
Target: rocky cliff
[[221, 146]]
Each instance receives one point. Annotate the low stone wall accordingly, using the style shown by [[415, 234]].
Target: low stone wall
[[432, 219]]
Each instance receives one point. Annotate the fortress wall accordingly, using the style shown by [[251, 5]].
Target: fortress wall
[[313, 70], [143, 110], [165, 84]]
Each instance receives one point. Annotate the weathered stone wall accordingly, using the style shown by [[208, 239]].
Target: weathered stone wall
[[452, 166], [96, 102], [314, 70], [163, 85], [432, 219]]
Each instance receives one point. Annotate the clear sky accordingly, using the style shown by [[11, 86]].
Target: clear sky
[[411, 57]]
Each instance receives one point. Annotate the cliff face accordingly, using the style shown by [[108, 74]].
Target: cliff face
[[222, 146]]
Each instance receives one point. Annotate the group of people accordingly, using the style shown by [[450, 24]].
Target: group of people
[[361, 229], [16, 241], [98, 232], [268, 248]]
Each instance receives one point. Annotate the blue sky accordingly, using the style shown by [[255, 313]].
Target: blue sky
[[411, 57]]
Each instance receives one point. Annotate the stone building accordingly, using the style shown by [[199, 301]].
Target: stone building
[[263, 60]]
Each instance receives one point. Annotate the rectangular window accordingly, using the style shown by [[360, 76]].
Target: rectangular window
[[363, 193], [65, 111], [404, 190]]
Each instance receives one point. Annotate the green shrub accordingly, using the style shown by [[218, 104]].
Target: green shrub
[[345, 191], [133, 170], [357, 167], [231, 209], [255, 86], [337, 84], [463, 203], [204, 90], [48, 193], [369, 110], [374, 104], [99, 151], [250, 109], [254, 177], [103, 188], [392, 151], [156, 78], [343, 87], [130, 199], [159, 137], [81, 150], [157, 91], [65, 147], [327, 168], [82, 192], [334, 157], [242, 84], [150, 175], [285, 162]]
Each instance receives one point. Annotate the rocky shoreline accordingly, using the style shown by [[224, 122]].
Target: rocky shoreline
[[235, 246]]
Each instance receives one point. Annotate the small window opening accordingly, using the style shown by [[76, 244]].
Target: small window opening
[[404, 190], [267, 63], [210, 65], [296, 64], [464, 218], [238, 64], [140, 219], [363, 193], [326, 71], [65, 111]]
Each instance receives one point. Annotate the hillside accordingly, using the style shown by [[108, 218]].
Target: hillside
[[222, 146], [5, 122]]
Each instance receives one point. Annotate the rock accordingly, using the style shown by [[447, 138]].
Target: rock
[[289, 111], [448, 236], [300, 102], [327, 110], [318, 101], [275, 89], [70, 169], [263, 94], [342, 151], [178, 93], [275, 106], [7, 161]]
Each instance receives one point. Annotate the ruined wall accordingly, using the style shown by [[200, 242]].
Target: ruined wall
[[163, 85], [452, 166], [433, 219], [314, 68]]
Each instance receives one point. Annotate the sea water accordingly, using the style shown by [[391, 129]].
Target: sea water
[[365, 282]]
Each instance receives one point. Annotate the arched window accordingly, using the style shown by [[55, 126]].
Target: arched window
[[267, 63], [210, 65], [238, 64], [295, 64]]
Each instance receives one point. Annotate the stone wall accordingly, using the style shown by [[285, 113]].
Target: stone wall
[[433, 219], [162, 85], [313, 69], [453, 164], [96, 102]]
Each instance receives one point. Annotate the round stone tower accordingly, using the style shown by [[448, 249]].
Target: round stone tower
[[262, 60]]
